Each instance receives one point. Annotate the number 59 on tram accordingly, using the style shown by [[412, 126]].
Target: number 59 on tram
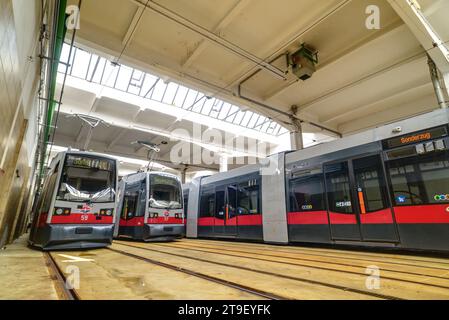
[[76, 206]]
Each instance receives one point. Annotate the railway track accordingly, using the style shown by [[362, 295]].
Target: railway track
[[230, 284], [261, 272], [239, 267], [59, 279], [265, 255], [335, 253]]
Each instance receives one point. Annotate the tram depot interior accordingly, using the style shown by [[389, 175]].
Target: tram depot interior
[[231, 150]]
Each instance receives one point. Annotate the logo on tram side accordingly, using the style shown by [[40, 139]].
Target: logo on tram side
[[166, 215], [441, 197]]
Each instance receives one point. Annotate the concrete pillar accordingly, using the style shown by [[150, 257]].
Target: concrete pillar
[[223, 163], [437, 86], [446, 86], [296, 142], [296, 139], [183, 174]]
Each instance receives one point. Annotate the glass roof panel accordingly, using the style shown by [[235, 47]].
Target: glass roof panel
[[92, 68]]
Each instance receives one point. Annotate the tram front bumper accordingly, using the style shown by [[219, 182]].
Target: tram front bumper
[[64, 236], [158, 231]]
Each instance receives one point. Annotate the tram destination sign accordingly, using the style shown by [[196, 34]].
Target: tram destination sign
[[91, 163], [415, 137]]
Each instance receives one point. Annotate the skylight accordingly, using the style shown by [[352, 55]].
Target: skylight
[[96, 69]]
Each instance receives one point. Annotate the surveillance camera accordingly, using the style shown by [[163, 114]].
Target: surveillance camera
[[397, 130]]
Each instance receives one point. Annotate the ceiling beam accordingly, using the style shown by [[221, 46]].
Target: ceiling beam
[[94, 104], [227, 19], [335, 58], [116, 139], [80, 133], [395, 65], [132, 26], [210, 36], [410, 12], [88, 139], [295, 33], [407, 93]]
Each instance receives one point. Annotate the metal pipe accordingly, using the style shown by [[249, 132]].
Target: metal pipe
[[161, 10], [435, 77], [59, 49], [58, 14]]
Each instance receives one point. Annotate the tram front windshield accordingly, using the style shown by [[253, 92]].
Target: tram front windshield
[[87, 179], [165, 192]]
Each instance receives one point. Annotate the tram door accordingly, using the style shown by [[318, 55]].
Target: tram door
[[231, 207], [129, 210], [220, 210], [225, 210], [359, 205]]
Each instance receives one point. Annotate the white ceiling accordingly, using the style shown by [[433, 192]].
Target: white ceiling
[[361, 72], [364, 77]]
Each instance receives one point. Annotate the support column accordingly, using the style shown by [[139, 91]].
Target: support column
[[183, 174], [435, 77], [446, 86], [296, 140], [223, 163]]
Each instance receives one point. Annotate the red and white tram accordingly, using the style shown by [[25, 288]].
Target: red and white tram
[[386, 187], [150, 207], [76, 207]]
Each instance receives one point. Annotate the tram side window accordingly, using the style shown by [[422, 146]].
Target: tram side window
[[420, 180], [186, 204], [307, 194], [220, 204], [140, 212], [50, 190], [339, 190], [371, 183], [129, 210], [207, 205], [247, 199]]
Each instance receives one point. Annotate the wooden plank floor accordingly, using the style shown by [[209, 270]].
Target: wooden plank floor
[[105, 274], [206, 269], [24, 274], [305, 273]]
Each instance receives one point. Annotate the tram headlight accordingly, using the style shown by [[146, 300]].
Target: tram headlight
[[106, 212], [62, 211]]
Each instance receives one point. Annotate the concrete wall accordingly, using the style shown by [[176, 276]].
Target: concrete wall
[[19, 30]]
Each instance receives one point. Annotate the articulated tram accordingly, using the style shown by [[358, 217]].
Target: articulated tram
[[76, 207], [150, 207], [387, 187]]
